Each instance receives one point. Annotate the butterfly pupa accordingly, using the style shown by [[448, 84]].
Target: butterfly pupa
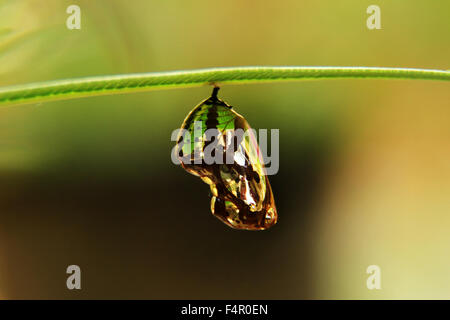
[[242, 197]]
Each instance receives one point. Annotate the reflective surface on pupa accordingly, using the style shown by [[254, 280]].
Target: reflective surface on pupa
[[242, 196]]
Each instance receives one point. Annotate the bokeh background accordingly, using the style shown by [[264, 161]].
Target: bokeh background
[[364, 164]]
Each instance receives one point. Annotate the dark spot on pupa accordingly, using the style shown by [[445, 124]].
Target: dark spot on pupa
[[256, 176]]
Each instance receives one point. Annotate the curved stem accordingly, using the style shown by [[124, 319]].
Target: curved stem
[[102, 85]]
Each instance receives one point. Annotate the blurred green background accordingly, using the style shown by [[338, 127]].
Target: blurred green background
[[364, 164]]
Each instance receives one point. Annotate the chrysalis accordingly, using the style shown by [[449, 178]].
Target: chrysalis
[[229, 162]]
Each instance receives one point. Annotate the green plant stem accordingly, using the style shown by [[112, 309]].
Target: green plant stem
[[103, 85]]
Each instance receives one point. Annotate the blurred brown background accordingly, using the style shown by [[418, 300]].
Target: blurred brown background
[[364, 164]]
